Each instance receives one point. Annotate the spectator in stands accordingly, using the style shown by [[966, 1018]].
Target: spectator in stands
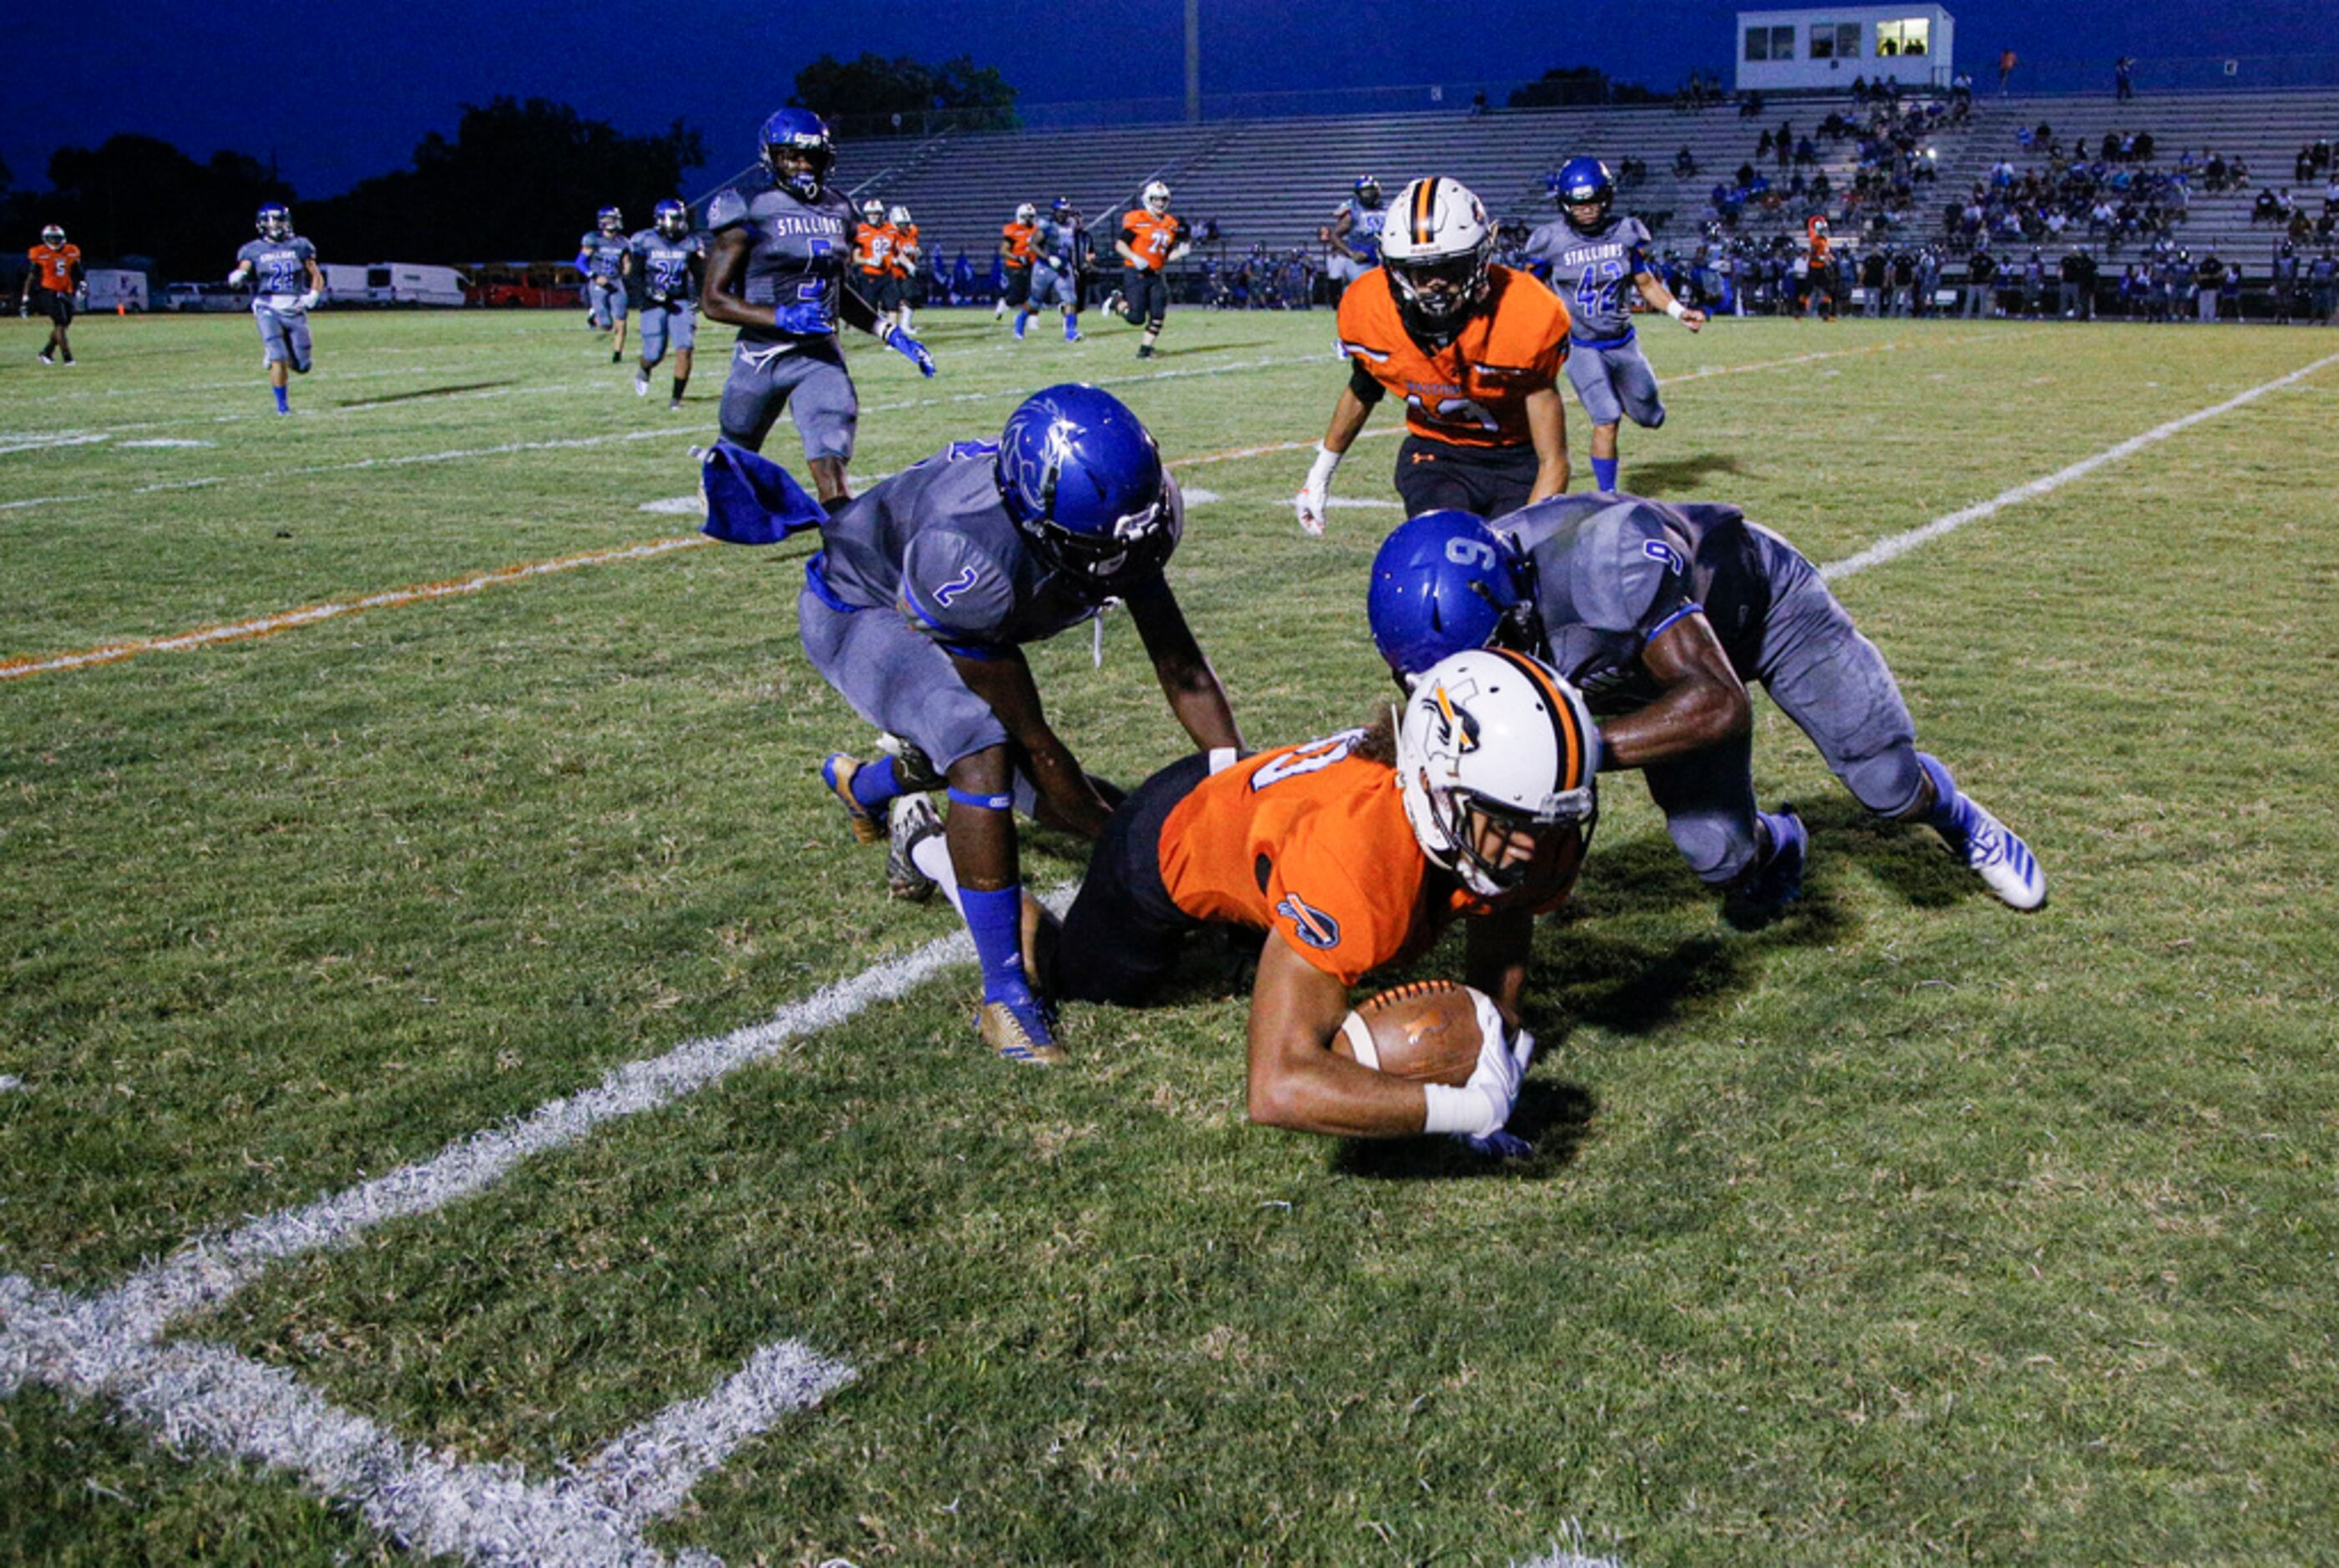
[[1981, 267], [2323, 287], [1684, 164], [2124, 78], [2007, 61]]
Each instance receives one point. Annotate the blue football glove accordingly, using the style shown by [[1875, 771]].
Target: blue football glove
[[1495, 1145], [910, 349]]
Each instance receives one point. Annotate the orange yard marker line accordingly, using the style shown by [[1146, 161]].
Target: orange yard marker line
[[310, 615]]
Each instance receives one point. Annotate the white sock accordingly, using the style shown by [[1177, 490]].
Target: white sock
[[931, 855]]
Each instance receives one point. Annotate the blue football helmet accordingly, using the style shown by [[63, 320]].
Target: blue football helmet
[[276, 221], [608, 220], [1061, 209], [1444, 583], [671, 219], [1368, 191], [1583, 183], [1082, 481], [801, 132]]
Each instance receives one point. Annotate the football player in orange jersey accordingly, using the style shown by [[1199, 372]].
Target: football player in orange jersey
[[872, 253], [1474, 348], [1348, 854], [1015, 260], [1150, 239], [1820, 282], [55, 275], [907, 254]]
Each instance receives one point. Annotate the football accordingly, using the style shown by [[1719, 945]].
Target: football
[[1428, 1031]]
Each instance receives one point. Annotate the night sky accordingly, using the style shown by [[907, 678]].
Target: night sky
[[334, 95]]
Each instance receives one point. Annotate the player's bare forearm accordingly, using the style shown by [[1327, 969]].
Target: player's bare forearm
[[1190, 683], [1495, 957], [1349, 413], [725, 267], [1068, 799], [1295, 1081], [1547, 428], [1702, 702]]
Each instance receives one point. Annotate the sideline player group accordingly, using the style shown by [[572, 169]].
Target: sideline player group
[[1538, 639]]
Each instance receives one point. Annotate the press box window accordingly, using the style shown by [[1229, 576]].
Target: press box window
[[1913, 36], [1770, 43], [1835, 40]]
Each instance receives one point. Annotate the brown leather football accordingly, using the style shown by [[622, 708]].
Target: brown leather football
[[1426, 1032]]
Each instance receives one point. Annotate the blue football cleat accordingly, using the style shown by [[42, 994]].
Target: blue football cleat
[[1765, 889], [836, 772], [1999, 857]]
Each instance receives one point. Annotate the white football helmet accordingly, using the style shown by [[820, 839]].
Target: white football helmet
[[1496, 757], [1436, 247], [873, 211], [1156, 197], [1027, 214], [53, 235], [898, 216]]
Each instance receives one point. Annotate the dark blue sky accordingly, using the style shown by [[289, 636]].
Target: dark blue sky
[[336, 95]]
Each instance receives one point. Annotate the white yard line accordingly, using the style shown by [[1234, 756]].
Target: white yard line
[[649, 1472], [1901, 544]]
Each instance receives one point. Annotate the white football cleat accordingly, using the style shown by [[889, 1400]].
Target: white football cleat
[[2003, 861], [911, 819], [641, 383]]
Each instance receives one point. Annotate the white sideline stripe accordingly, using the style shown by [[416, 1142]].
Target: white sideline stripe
[[1364, 504], [11, 1084], [210, 1269], [160, 441], [50, 443], [649, 1472], [206, 1396], [455, 455], [1898, 545], [677, 506]]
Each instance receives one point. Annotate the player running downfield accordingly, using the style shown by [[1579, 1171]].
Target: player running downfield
[[1662, 613], [1152, 237], [286, 284], [1015, 262], [51, 283], [1349, 853], [1353, 238], [1474, 348], [917, 610], [907, 254], [667, 259], [1591, 255], [603, 257], [873, 260], [1055, 277], [776, 269]]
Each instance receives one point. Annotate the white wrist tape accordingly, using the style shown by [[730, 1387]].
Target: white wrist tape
[[1319, 472], [1461, 1110], [1675, 308]]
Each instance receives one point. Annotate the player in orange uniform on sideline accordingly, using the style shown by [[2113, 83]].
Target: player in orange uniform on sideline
[[1015, 256], [906, 257], [1474, 350], [1349, 853], [1820, 282], [1150, 239], [55, 277], [872, 252]]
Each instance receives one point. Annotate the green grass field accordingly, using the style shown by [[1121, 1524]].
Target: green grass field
[[1905, 1230]]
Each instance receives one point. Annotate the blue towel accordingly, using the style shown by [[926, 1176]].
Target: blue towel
[[751, 500]]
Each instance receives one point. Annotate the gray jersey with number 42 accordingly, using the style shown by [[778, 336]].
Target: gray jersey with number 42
[[1593, 272]]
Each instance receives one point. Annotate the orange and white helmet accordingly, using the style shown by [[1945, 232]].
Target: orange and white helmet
[[1436, 246], [1156, 197]]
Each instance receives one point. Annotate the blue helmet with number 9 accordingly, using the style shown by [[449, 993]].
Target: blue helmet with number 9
[[799, 133], [1082, 479], [1444, 583]]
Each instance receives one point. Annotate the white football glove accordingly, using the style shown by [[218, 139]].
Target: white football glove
[[1481, 1106], [309, 300], [1316, 493]]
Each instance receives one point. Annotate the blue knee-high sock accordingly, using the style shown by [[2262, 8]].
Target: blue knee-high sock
[[875, 784], [1603, 472], [281, 406], [1950, 815], [994, 919]]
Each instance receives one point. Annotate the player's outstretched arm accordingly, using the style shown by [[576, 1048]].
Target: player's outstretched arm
[[1184, 670], [1349, 412], [1068, 798], [726, 268], [1495, 957], [1702, 702], [1660, 298]]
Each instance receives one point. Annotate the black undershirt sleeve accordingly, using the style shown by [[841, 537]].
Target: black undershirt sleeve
[[1367, 392]]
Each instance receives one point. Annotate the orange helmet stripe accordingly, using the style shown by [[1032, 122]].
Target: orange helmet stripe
[[1564, 721], [1424, 209]]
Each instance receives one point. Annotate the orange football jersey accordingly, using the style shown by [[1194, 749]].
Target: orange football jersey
[[1473, 391], [1019, 243], [1312, 843], [905, 240], [873, 248], [1152, 237], [56, 264], [1817, 231]]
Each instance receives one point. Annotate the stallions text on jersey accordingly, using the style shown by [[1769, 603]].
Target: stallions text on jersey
[[796, 256], [1594, 274]]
